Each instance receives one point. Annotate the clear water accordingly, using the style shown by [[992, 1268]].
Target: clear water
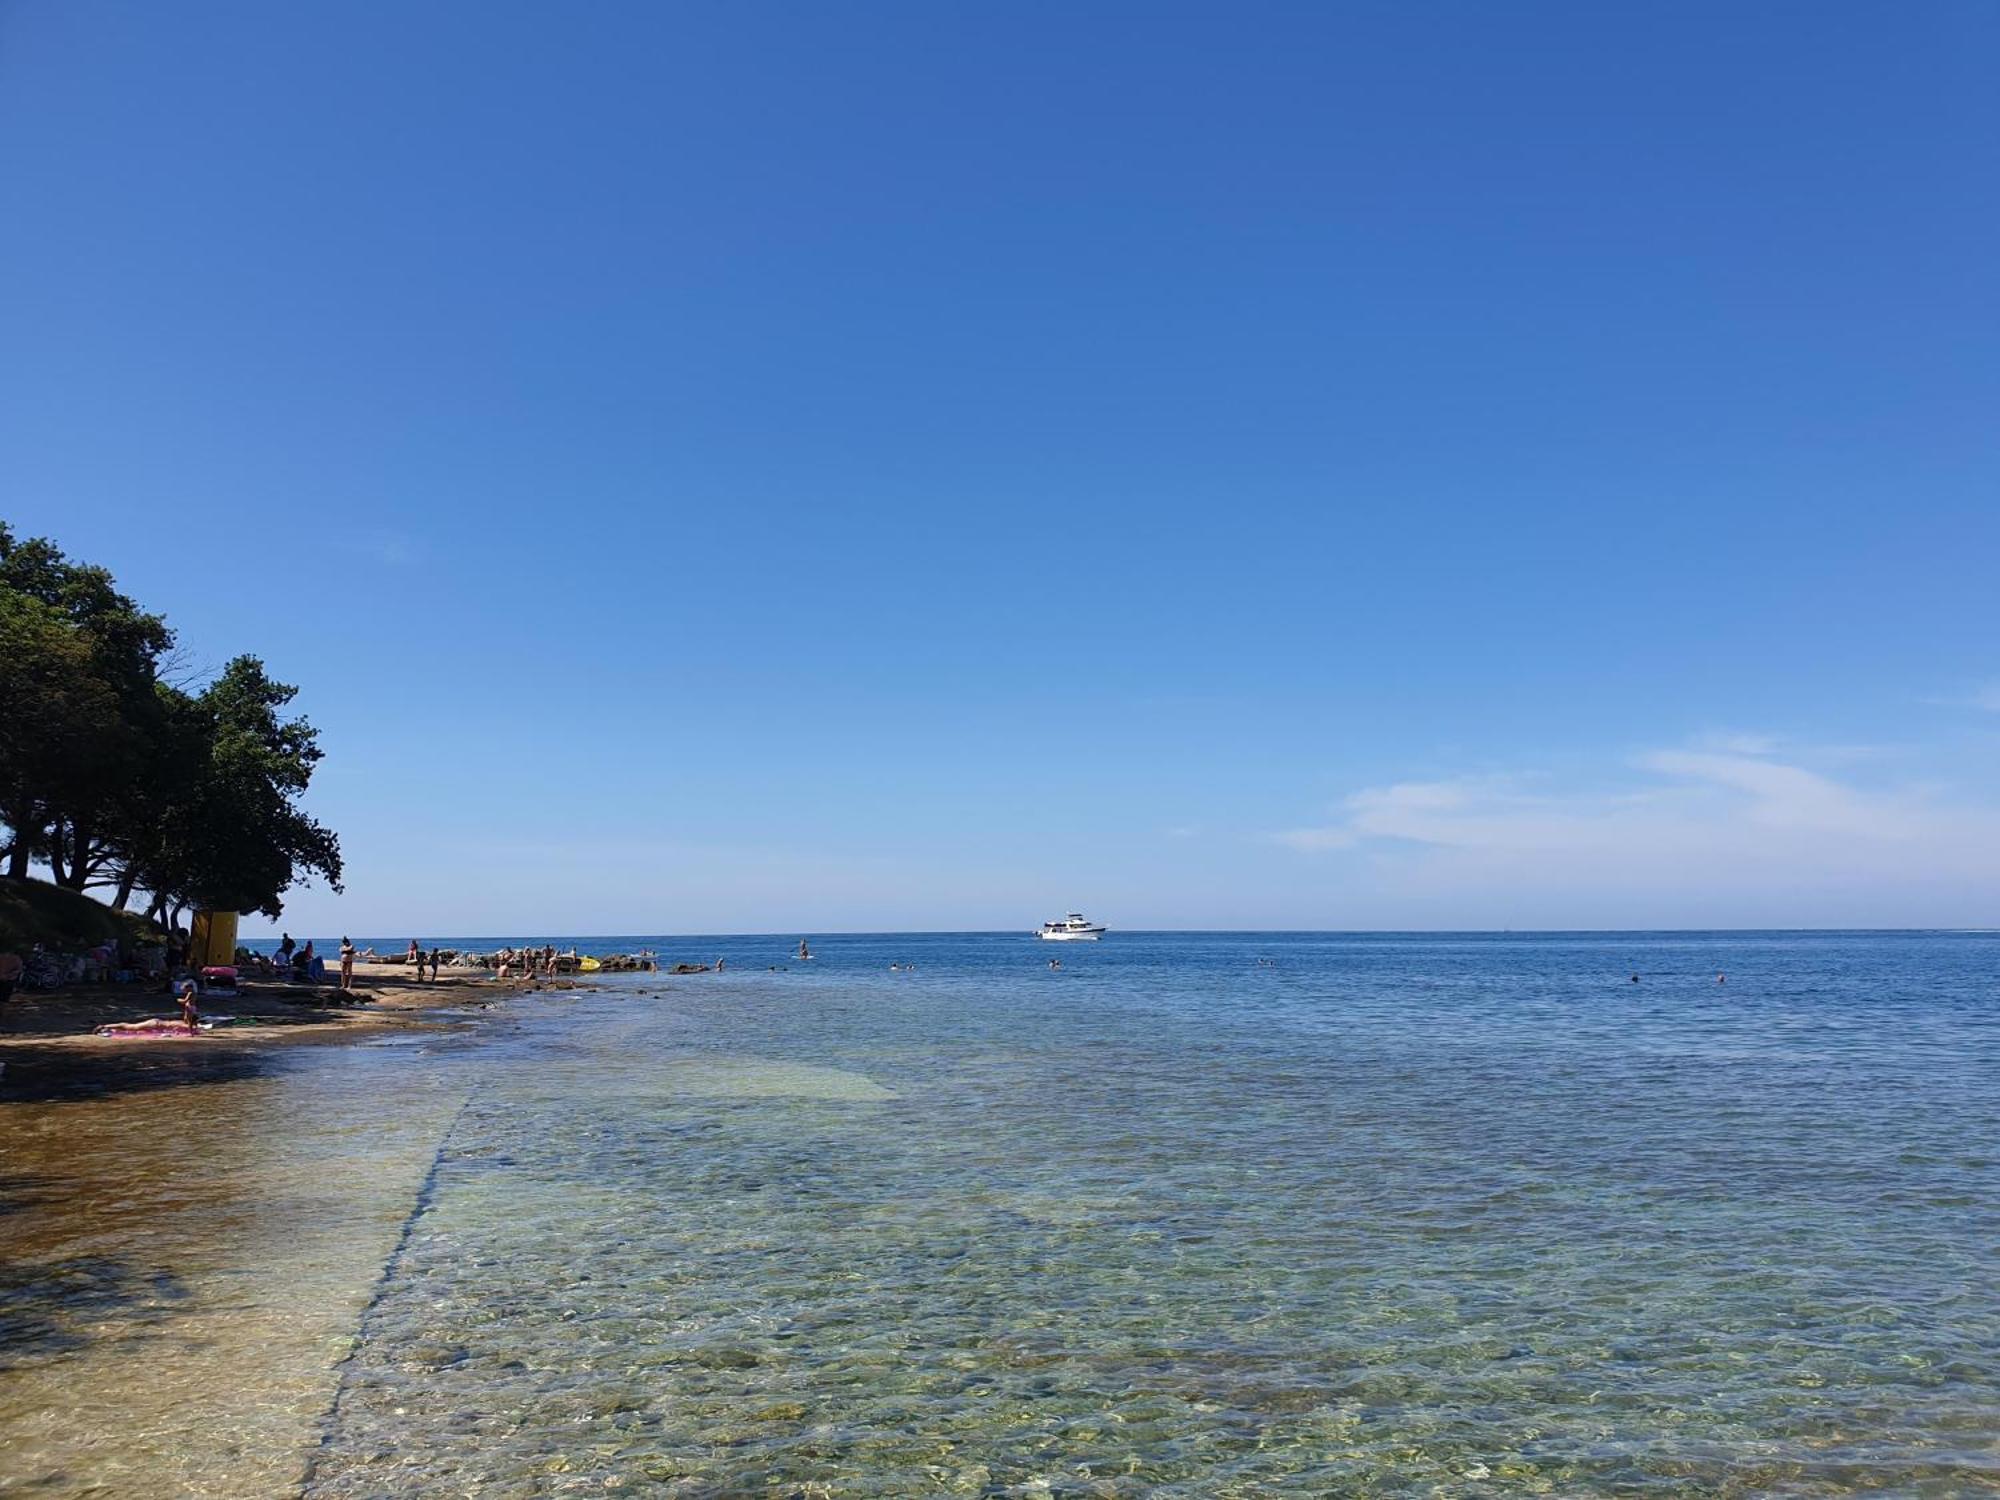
[[1195, 1215]]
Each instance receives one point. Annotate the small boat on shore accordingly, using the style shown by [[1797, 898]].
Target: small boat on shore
[[1071, 929]]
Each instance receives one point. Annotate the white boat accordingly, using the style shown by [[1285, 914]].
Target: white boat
[[1071, 929]]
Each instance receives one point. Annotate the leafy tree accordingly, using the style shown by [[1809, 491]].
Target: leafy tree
[[82, 808], [231, 837], [54, 709], [113, 777]]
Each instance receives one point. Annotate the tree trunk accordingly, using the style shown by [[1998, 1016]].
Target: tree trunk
[[17, 859], [125, 883], [79, 858]]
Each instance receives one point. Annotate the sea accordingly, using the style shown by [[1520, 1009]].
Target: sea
[[1192, 1214]]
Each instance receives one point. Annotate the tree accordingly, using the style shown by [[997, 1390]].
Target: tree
[[228, 834], [80, 801], [113, 777], [56, 709]]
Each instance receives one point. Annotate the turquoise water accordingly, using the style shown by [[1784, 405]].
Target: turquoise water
[[1209, 1216]]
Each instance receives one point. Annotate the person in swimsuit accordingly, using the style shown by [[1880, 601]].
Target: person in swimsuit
[[347, 963]]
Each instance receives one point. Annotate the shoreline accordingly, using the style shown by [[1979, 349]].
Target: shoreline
[[49, 1049]]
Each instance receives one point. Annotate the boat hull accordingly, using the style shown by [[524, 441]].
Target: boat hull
[[1071, 937]]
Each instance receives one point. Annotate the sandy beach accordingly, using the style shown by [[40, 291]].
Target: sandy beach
[[49, 1046]]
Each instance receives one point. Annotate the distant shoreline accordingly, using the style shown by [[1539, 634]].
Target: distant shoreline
[[617, 942]]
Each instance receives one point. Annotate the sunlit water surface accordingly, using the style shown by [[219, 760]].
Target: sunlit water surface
[[1193, 1215]]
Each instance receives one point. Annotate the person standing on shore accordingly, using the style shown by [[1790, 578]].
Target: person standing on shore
[[437, 958], [347, 963], [415, 959]]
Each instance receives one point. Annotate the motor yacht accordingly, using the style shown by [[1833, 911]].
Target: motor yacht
[[1071, 929]]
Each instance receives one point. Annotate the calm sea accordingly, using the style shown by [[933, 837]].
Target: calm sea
[[1194, 1215]]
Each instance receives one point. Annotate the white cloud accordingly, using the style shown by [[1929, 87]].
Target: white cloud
[[1702, 831], [1984, 696], [1735, 742]]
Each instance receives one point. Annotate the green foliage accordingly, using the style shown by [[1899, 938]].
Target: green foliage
[[112, 777], [54, 713]]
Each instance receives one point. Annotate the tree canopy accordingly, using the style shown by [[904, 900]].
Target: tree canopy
[[113, 777]]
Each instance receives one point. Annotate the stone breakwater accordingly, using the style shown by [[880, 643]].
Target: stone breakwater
[[565, 963]]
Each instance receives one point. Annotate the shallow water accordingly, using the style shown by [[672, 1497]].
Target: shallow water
[[1195, 1215]]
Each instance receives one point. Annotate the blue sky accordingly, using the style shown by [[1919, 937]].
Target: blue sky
[[760, 467]]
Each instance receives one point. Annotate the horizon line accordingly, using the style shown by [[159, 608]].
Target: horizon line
[[839, 932]]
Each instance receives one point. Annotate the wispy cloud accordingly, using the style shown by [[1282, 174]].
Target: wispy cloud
[[1727, 823], [1738, 742], [1984, 696]]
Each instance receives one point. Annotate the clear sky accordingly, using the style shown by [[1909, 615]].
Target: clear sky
[[803, 467]]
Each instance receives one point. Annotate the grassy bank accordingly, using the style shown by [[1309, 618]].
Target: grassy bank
[[33, 911]]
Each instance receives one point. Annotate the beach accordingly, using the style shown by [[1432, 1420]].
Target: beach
[[1196, 1215], [49, 1045]]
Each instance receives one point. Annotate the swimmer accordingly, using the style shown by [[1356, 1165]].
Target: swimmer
[[1635, 978], [1055, 963], [1722, 979]]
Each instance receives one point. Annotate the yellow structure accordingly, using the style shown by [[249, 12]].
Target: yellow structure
[[212, 939]]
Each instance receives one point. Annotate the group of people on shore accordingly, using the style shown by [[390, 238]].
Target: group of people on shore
[[303, 965], [417, 959], [530, 961]]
